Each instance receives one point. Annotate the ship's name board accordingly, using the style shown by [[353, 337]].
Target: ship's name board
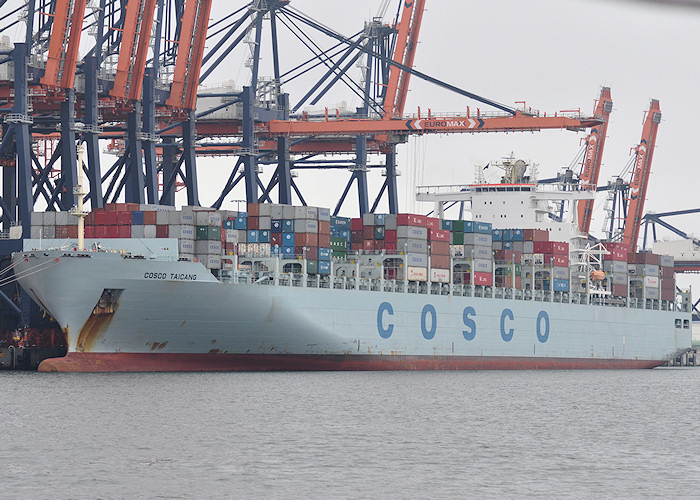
[[429, 323], [170, 276]]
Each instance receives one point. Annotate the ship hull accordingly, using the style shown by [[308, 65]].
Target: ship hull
[[175, 316], [179, 362]]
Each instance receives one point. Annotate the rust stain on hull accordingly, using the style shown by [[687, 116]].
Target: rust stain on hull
[[91, 330]]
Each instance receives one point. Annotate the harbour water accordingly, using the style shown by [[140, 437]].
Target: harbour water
[[534, 434]]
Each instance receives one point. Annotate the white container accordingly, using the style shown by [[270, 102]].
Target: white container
[[482, 265], [440, 275], [276, 211], [288, 211], [264, 221], [37, 219], [149, 231], [185, 246], [163, 218], [204, 247], [61, 218], [231, 236], [412, 232], [49, 219], [416, 260], [212, 261], [181, 231], [137, 231], [411, 245], [417, 274], [36, 232], [651, 281], [456, 251], [324, 214], [48, 232]]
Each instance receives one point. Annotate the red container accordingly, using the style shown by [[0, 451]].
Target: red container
[[507, 281], [254, 221], [306, 239], [440, 248], [369, 245], [253, 210], [125, 231], [355, 247], [390, 235], [276, 239], [324, 227], [100, 231], [618, 290], [438, 235], [432, 223], [620, 247], [356, 224], [311, 252], [507, 256], [324, 240], [90, 219], [368, 232], [124, 218], [101, 218], [617, 255], [162, 231], [112, 218], [485, 279], [73, 231], [132, 207], [551, 247], [668, 294], [440, 261], [61, 232], [356, 236], [645, 258], [535, 235], [390, 246], [89, 232], [149, 218], [666, 272], [410, 220], [112, 231], [556, 260]]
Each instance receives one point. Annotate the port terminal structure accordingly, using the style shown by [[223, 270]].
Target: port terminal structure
[[137, 91]]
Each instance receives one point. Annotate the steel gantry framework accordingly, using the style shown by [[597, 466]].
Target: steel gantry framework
[[136, 88]]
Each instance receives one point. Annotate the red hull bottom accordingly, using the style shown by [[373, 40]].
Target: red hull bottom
[[165, 362]]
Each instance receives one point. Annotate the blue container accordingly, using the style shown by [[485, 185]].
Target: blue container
[[288, 252], [507, 235], [229, 224], [276, 225], [339, 222], [241, 222], [324, 253], [264, 236], [497, 234], [559, 285], [378, 219], [483, 227], [253, 236], [516, 235], [378, 232], [324, 267], [507, 245], [288, 225], [468, 226], [137, 218], [288, 240], [447, 225]]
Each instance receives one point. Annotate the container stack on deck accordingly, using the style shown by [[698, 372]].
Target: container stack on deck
[[467, 252]]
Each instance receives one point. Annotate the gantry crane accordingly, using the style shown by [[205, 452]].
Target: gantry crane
[[625, 204], [644, 153], [592, 161]]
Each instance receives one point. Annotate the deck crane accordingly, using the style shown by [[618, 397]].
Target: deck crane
[[593, 158], [640, 178]]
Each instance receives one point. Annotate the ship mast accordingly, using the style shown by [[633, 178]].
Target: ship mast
[[78, 191]]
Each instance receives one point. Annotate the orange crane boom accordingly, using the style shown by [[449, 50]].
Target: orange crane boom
[[640, 178], [64, 43], [136, 36], [404, 53], [431, 124], [593, 159]]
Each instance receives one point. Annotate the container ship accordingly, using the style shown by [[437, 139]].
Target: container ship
[[280, 287]]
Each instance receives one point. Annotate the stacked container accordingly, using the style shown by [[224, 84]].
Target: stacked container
[[507, 273], [644, 274], [552, 257], [615, 267], [340, 237]]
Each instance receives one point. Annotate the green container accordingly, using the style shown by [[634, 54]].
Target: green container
[[457, 238], [208, 233], [338, 254], [311, 267], [338, 244], [457, 227]]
